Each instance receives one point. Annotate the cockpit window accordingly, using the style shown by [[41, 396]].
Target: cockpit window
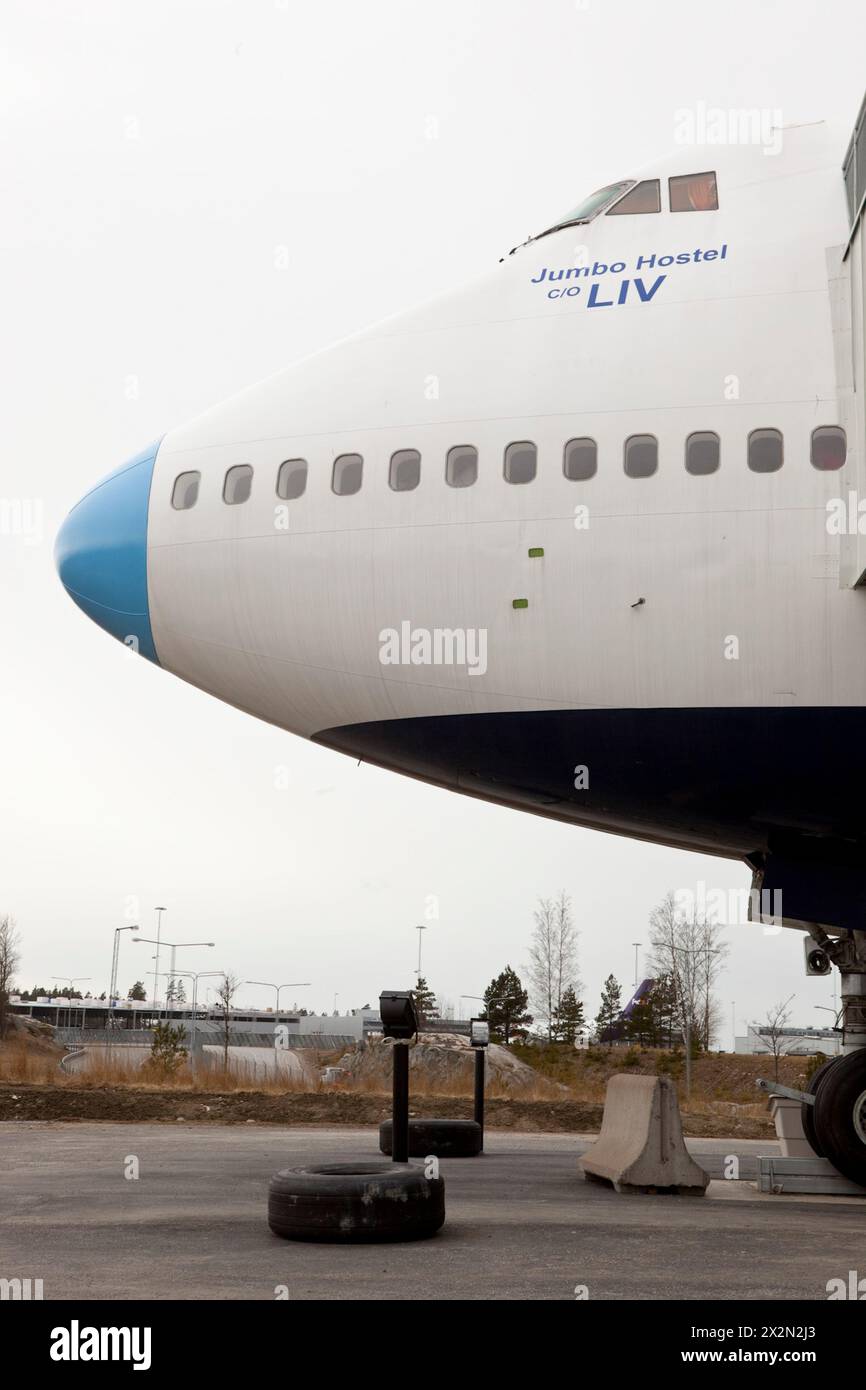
[[644, 197], [591, 206], [694, 193]]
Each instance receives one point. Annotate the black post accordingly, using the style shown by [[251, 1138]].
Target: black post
[[479, 1090], [400, 1104]]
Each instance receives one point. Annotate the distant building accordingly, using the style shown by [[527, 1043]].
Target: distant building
[[792, 1042]]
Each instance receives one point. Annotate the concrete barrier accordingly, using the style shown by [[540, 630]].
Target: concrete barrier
[[641, 1146]]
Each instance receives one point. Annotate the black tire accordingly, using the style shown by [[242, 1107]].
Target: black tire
[[367, 1201], [808, 1111], [442, 1138], [840, 1115]]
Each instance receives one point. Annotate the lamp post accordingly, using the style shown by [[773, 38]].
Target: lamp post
[[687, 1013], [420, 927], [266, 984], [159, 911], [115, 961], [200, 975], [636, 945], [174, 947]]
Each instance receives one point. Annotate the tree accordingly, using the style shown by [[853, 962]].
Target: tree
[[424, 1000], [9, 958], [505, 1006], [691, 952], [777, 1018], [137, 991], [568, 1017], [175, 992], [552, 956], [167, 1051], [225, 994], [610, 1009]]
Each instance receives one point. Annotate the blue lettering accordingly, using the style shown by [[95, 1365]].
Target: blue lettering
[[645, 293], [645, 261], [537, 279], [594, 302]]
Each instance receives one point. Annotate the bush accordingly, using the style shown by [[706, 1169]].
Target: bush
[[814, 1063], [167, 1053]]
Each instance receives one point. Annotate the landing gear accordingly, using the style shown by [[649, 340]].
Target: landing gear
[[840, 1115], [808, 1111], [836, 1125]]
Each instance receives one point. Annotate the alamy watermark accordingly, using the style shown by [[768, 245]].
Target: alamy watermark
[[436, 646], [717, 125], [732, 907]]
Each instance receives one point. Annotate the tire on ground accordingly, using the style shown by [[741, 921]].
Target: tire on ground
[[367, 1201], [808, 1111], [840, 1115], [443, 1138]]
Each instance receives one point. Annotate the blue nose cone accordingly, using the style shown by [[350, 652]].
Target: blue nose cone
[[101, 553]]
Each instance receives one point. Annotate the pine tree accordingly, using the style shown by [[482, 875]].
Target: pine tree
[[506, 1003], [610, 1010], [424, 1000], [137, 991], [568, 1018]]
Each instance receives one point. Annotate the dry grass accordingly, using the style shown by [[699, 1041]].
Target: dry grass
[[19, 1065]]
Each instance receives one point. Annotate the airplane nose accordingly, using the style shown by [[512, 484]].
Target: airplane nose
[[101, 553]]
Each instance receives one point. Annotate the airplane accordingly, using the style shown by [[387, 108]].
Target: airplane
[[580, 537]]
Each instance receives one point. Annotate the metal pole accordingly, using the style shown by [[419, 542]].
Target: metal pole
[[159, 911], [479, 1090], [421, 927], [688, 1058], [114, 954], [400, 1103]]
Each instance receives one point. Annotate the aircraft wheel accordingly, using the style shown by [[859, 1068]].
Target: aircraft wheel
[[808, 1111], [362, 1202], [840, 1115], [442, 1138]]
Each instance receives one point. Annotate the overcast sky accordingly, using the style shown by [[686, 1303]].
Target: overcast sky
[[156, 159]]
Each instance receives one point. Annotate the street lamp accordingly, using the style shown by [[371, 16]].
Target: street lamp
[[159, 911], [266, 984], [174, 946], [420, 926], [687, 1020], [636, 945], [115, 961]]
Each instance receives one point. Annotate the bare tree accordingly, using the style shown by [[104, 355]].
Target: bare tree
[[689, 950], [225, 995], [9, 958], [552, 957], [777, 1018]]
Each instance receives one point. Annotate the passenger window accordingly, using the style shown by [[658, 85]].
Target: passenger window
[[694, 193], [292, 479], [641, 457], [405, 471], [580, 460], [461, 466], [644, 197], [184, 494], [238, 484], [347, 474], [702, 453], [520, 462], [829, 448], [765, 451]]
